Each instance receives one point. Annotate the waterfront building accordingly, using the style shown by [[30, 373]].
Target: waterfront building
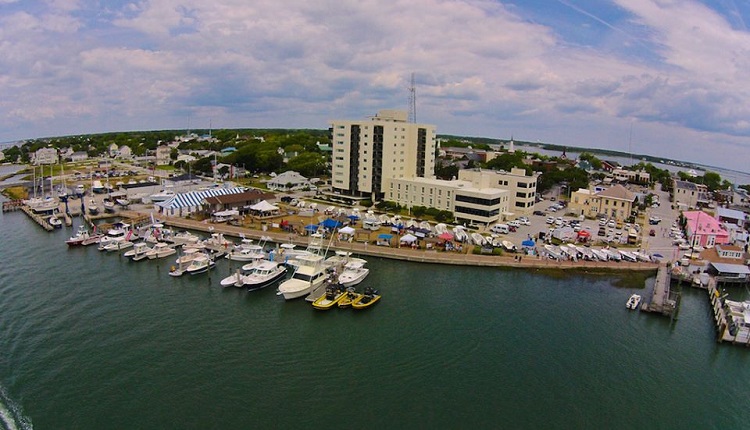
[[467, 202], [690, 195], [45, 156], [615, 202], [366, 154], [704, 230], [520, 186]]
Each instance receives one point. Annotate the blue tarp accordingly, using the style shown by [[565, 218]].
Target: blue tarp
[[353, 217], [385, 236], [331, 224], [529, 243], [311, 227]]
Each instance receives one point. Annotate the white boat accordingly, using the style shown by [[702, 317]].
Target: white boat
[[288, 254], [600, 254], [424, 225], [184, 238], [122, 201], [441, 228], [628, 256], [80, 190], [233, 280], [117, 245], [139, 252], [310, 274], [81, 235], [55, 222], [202, 263], [477, 238], [98, 188], [246, 251], [118, 233], [163, 195], [93, 207], [109, 205], [160, 250], [459, 234], [509, 246], [354, 272], [613, 254], [262, 275], [553, 252], [633, 302], [642, 256]]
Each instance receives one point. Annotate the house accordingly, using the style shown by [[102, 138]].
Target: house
[[630, 176], [46, 156], [288, 181], [731, 216], [113, 150], [79, 156], [690, 195], [124, 152]]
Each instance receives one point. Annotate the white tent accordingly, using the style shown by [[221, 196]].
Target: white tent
[[346, 230], [408, 238], [263, 206]]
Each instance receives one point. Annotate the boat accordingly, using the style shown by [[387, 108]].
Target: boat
[[109, 205], [245, 251], [98, 188], [184, 238], [163, 195], [642, 256], [633, 302], [553, 252], [309, 275], [117, 245], [202, 263], [139, 252], [613, 254], [183, 261], [628, 256], [334, 293], [93, 207], [118, 233], [80, 190], [235, 279], [81, 234], [264, 274], [459, 234], [354, 272], [55, 222], [601, 254], [346, 301], [160, 250], [477, 238], [122, 201], [509, 246], [367, 299]]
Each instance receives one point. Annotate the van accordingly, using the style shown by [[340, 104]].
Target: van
[[500, 229]]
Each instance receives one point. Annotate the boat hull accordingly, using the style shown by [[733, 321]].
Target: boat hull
[[362, 302], [252, 286]]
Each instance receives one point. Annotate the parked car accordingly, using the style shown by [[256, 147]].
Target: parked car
[[550, 220], [539, 213], [523, 221]]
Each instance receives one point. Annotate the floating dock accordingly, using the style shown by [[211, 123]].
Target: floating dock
[[726, 329]]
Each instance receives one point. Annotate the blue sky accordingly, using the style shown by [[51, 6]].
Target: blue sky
[[570, 72]]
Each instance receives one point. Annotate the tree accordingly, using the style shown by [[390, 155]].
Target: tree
[[308, 164]]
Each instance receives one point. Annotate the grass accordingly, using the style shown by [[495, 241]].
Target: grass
[[16, 193]]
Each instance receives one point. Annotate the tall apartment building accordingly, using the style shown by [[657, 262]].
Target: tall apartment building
[[367, 153]]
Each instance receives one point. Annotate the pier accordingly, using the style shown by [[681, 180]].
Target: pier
[[12, 205], [42, 221], [726, 329], [663, 300]]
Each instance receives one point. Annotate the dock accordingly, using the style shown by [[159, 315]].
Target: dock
[[42, 221], [663, 301], [12, 205], [726, 329]]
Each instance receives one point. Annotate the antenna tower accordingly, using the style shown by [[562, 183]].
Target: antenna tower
[[412, 100]]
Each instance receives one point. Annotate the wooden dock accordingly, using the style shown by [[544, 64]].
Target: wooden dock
[[42, 221], [663, 300], [12, 205], [726, 329]]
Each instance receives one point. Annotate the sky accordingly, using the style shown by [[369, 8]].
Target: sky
[[659, 77]]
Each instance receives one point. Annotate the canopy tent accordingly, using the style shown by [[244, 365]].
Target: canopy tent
[[263, 206], [528, 243], [584, 233], [353, 217], [385, 236], [311, 227], [331, 223], [408, 238], [446, 236], [346, 230]]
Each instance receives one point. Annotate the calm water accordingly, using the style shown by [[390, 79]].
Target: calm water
[[92, 341]]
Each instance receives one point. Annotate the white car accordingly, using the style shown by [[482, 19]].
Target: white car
[[515, 224], [611, 223], [550, 220], [523, 221]]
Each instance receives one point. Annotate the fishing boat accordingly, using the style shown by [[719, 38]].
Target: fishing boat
[[633, 302], [81, 235], [309, 275], [109, 205], [334, 293], [354, 272], [264, 274], [478, 239], [118, 233], [245, 251], [93, 207], [509, 246], [367, 299]]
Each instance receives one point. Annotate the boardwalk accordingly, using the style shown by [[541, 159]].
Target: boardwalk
[[661, 302]]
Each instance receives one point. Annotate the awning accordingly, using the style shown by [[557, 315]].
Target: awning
[[331, 223], [446, 236]]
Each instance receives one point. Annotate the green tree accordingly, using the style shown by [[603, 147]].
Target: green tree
[[308, 164]]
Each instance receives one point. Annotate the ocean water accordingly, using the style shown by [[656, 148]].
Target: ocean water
[[93, 341]]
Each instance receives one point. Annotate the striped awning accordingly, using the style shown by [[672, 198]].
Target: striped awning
[[195, 198]]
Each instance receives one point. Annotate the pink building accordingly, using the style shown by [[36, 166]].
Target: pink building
[[704, 230]]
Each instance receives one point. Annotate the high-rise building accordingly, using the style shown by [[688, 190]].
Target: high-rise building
[[368, 153]]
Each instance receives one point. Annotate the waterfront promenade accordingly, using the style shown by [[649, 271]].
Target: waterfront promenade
[[464, 258]]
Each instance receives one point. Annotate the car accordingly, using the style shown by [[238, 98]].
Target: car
[[611, 223], [602, 232], [552, 209], [603, 221], [539, 213], [652, 232], [550, 220], [523, 221], [515, 224]]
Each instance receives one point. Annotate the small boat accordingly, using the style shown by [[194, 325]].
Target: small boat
[[633, 302], [628, 256], [233, 280], [245, 251], [354, 272], [93, 208], [185, 238], [346, 301], [367, 299], [55, 222], [109, 205], [509, 246], [117, 245], [334, 293], [201, 264], [478, 239], [264, 274], [122, 201], [601, 254], [553, 252]]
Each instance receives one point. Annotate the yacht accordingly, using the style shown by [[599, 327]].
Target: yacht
[[139, 252], [81, 235], [262, 274], [245, 251], [310, 274], [160, 250], [118, 233], [200, 264], [93, 207], [163, 195]]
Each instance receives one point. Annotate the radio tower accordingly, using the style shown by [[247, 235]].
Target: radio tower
[[412, 101]]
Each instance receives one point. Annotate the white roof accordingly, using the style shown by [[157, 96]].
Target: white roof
[[263, 206]]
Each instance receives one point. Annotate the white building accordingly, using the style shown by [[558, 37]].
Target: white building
[[124, 152], [79, 156], [162, 155], [521, 187], [45, 156], [366, 154], [113, 150], [288, 181], [462, 198]]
